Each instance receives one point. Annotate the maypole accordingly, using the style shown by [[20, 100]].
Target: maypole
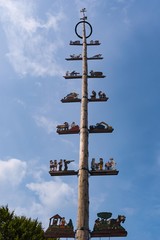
[[104, 226], [83, 184]]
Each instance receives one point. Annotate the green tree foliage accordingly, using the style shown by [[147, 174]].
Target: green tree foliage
[[18, 228]]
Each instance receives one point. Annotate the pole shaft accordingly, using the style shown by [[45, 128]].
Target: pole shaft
[[83, 183]]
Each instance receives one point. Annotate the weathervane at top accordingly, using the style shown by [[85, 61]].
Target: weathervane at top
[[83, 10], [84, 22]]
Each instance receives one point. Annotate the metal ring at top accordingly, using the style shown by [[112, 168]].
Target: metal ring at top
[[88, 25]]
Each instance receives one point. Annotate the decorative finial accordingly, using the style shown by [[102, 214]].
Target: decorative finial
[[83, 10]]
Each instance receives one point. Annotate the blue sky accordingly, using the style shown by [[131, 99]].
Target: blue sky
[[35, 39]]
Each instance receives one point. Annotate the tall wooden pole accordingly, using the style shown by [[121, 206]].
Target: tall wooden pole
[[83, 183], [104, 228]]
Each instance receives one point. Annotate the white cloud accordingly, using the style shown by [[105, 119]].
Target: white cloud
[[12, 171], [45, 123], [52, 194], [39, 198], [31, 51], [20, 102]]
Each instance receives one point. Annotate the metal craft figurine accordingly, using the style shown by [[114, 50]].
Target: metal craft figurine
[[107, 226]]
